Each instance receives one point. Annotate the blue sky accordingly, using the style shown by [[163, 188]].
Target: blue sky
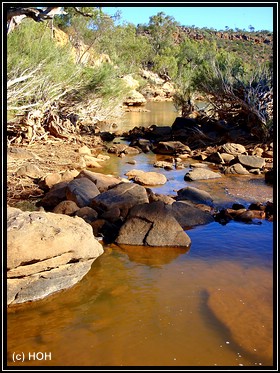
[[261, 18]]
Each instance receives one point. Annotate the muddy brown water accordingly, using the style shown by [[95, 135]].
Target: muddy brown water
[[210, 305]]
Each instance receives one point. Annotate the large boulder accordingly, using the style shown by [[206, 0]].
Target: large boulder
[[42, 253], [123, 196], [150, 224]]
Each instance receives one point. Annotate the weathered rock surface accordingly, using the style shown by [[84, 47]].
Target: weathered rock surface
[[201, 174], [30, 170], [54, 196], [251, 161], [236, 168], [146, 178], [232, 148], [81, 191], [103, 182], [42, 253], [188, 215], [123, 196], [66, 207], [152, 225], [194, 195]]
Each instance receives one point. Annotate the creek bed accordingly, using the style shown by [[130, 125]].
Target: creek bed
[[211, 305]]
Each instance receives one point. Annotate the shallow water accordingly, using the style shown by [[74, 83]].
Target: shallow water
[[211, 305], [149, 307]]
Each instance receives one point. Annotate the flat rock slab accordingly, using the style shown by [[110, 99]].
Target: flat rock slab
[[251, 161], [201, 174], [146, 178], [43, 256]]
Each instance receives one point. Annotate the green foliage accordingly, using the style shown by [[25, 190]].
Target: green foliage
[[104, 83], [162, 28], [126, 49], [40, 71]]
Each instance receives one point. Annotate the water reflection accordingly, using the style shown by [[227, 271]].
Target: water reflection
[[127, 313], [152, 256]]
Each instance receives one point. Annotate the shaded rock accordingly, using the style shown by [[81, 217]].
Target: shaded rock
[[215, 158], [124, 196], [268, 176], [201, 174], [103, 182], [171, 147], [112, 214], [150, 224], [194, 195], [66, 207], [153, 197], [245, 216], [236, 168], [183, 123], [81, 191], [158, 133], [188, 215], [55, 195], [251, 161], [144, 144], [87, 213], [54, 261]]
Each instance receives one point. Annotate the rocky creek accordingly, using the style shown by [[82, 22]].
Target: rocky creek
[[209, 303]]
